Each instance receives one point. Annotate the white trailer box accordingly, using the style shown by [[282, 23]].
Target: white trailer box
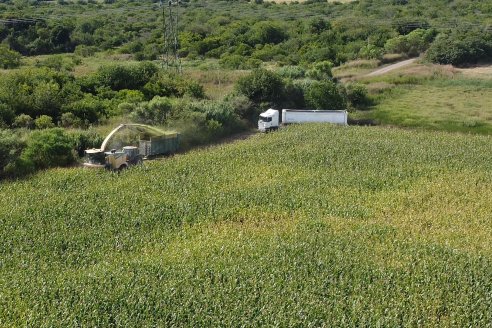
[[312, 116]]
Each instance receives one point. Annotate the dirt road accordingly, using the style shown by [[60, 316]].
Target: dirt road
[[392, 67]]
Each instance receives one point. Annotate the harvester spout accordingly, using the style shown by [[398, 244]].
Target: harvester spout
[[110, 135]]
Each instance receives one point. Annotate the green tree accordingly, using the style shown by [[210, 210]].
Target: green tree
[[23, 121], [9, 58], [69, 120], [318, 25], [155, 111], [267, 32], [461, 47], [357, 95], [412, 44], [325, 95], [119, 77], [44, 122], [47, 98], [11, 146], [48, 148], [261, 85], [88, 109], [7, 115], [321, 71]]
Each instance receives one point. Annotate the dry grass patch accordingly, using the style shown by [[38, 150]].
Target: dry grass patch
[[354, 69], [217, 83], [484, 71]]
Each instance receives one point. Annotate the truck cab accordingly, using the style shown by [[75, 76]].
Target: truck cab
[[269, 120]]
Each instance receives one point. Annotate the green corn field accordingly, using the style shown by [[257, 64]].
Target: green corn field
[[314, 225]]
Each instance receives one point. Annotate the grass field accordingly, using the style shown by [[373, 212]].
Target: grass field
[[313, 225], [432, 97], [355, 68], [459, 105]]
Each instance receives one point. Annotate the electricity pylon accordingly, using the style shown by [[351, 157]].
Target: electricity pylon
[[170, 19]]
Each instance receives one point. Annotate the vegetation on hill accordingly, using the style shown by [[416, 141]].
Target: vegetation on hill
[[313, 225], [243, 34], [45, 97]]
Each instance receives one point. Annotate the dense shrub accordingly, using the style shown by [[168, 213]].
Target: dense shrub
[[169, 85], [412, 44], [69, 120], [37, 92], [85, 139], [44, 122], [7, 115], [313, 53], [235, 61], [243, 107], [267, 33], [155, 111], [325, 95], [294, 94], [130, 96], [49, 148], [11, 146], [321, 71], [9, 58], [203, 121], [23, 121], [119, 77], [261, 85], [291, 72], [268, 52], [371, 51], [23, 152], [88, 109], [460, 47], [85, 51], [357, 95], [58, 63], [192, 89], [221, 112]]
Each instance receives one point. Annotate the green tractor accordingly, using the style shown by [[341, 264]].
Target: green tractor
[[161, 143]]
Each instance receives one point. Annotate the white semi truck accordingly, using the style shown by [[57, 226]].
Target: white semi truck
[[270, 120]]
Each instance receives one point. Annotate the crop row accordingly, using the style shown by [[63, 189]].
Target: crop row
[[314, 225]]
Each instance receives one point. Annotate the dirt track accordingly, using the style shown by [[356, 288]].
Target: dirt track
[[392, 67]]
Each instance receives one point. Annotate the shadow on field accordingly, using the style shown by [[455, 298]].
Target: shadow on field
[[362, 122]]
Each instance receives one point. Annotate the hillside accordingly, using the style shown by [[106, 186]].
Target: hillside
[[421, 95], [313, 225]]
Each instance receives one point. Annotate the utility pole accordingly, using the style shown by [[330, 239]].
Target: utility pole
[[170, 21]]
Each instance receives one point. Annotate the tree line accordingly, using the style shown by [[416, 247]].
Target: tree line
[[243, 35]]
